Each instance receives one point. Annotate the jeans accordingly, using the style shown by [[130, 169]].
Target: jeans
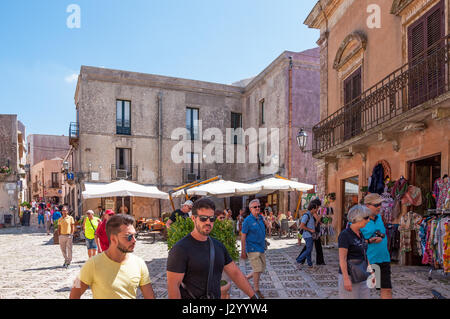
[[319, 252], [307, 253]]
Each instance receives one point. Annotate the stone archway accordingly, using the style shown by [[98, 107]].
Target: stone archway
[[356, 41]]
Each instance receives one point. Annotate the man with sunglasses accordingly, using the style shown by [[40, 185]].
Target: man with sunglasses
[[377, 252], [116, 273], [253, 242], [188, 264]]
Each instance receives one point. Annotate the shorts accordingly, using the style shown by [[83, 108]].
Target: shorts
[[257, 261], [90, 243], [40, 219], [385, 269]]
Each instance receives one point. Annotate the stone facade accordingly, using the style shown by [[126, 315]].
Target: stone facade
[[12, 155], [348, 43], [45, 186], [98, 89]]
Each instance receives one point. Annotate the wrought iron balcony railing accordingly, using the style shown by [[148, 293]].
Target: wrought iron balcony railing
[[74, 131], [420, 80]]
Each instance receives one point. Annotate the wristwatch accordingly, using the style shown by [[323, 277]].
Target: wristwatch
[[255, 296]]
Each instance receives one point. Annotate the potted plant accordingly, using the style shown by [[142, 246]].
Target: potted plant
[[222, 231]]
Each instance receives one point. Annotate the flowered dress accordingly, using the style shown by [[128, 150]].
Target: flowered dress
[[443, 192]]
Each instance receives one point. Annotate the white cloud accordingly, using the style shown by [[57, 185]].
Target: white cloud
[[71, 78]]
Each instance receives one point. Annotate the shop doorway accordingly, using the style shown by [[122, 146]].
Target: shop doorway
[[423, 173], [123, 201], [350, 190]]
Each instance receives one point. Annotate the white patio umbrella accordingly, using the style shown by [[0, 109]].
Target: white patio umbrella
[[274, 184], [220, 188], [122, 188]]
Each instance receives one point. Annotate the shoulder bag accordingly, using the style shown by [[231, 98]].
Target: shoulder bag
[[211, 267], [357, 269]]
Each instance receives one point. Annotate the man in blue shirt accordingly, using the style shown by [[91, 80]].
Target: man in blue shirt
[[378, 252], [308, 225], [253, 242]]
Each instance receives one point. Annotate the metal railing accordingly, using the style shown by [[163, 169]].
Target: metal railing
[[423, 78], [74, 130], [192, 176], [129, 173]]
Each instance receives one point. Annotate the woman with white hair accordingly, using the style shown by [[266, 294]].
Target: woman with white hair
[[352, 253]]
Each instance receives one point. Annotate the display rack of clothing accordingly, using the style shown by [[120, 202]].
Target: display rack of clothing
[[410, 245], [435, 240], [326, 228]]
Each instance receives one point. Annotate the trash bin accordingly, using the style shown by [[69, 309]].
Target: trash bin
[[7, 219], [26, 218]]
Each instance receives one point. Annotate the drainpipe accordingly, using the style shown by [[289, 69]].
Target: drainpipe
[[290, 130], [160, 128]]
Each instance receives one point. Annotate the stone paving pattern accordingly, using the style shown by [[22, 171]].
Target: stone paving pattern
[[31, 268]]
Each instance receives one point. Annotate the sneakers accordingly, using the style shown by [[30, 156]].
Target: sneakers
[[66, 265]]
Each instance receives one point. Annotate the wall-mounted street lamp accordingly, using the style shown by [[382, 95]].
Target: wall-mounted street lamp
[[302, 140]]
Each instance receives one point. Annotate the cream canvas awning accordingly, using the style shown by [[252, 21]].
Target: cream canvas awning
[[122, 188], [220, 188], [274, 184]]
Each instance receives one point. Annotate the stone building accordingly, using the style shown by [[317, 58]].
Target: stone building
[[384, 95], [44, 147], [128, 126], [47, 180], [12, 168]]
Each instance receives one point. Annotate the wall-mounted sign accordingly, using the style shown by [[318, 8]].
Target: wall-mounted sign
[[95, 176]]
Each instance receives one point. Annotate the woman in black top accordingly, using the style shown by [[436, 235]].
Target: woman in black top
[[352, 245]]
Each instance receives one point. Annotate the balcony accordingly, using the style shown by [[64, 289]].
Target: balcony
[[74, 133], [196, 175], [399, 98], [129, 173]]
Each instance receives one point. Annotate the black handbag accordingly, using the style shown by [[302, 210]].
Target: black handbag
[[357, 269]]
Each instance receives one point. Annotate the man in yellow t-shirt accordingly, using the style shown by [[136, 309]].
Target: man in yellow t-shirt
[[66, 228], [116, 273], [90, 225]]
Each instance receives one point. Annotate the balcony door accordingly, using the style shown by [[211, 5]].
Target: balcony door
[[427, 67], [352, 108], [123, 163]]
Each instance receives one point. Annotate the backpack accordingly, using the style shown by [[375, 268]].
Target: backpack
[[306, 224]]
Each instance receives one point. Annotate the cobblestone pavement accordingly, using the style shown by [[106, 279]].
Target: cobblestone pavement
[[31, 267]]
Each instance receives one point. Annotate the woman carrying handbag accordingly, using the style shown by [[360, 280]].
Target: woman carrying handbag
[[352, 256]]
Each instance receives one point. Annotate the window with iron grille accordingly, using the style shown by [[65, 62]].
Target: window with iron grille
[[123, 117]]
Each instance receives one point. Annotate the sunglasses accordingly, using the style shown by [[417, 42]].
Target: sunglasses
[[256, 207], [131, 236], [203, 219]]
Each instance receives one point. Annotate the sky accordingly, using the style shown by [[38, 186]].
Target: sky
[[208, 40]]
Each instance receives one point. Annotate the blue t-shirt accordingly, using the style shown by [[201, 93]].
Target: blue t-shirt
[[56, 215], [256, 234], [308, 223], [376, 253]]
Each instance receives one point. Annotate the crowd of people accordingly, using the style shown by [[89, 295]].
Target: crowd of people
[[111, 238]]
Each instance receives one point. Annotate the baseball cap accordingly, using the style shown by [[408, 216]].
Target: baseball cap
[[373, 198], [189, 203], [109, 212], [90, 211]]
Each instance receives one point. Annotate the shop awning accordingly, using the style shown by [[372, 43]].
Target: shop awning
[[220, 188], [122, 188], [274, 184]]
